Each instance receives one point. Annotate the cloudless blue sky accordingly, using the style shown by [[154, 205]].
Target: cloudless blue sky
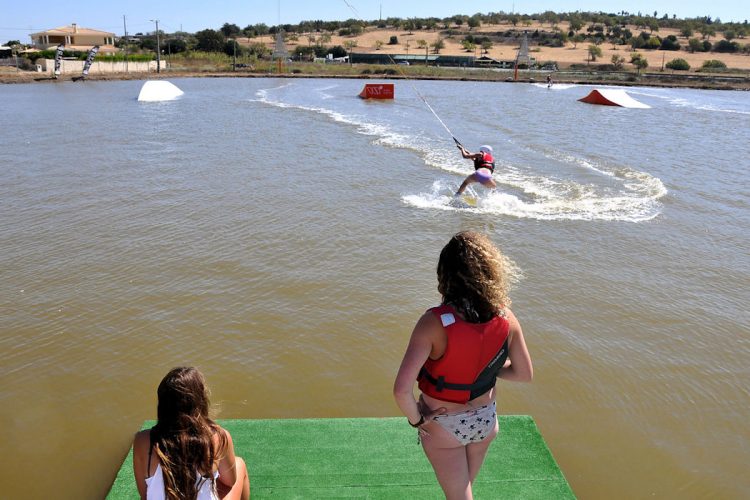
[[19, 19]]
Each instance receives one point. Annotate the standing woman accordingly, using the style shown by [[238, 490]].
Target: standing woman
[[456, 353], [186, 455]]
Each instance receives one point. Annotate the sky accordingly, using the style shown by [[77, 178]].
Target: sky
[[18, 20]]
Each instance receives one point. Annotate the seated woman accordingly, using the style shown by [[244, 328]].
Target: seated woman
[[186, 455]]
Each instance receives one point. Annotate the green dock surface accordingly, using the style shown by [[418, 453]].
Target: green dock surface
[[374, 458]]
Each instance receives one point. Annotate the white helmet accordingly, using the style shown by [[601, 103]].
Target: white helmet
[[485, 148]]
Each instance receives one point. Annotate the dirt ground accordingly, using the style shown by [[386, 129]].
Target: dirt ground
[[564, 56]]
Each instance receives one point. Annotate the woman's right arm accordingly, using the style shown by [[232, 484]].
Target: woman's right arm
[[520, 368]]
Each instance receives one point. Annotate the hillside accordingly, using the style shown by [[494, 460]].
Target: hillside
[[571, 53]]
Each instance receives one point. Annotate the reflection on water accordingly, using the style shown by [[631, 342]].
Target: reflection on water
[[282, 235]]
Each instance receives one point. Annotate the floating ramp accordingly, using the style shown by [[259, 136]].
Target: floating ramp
[[373, 458], [377, 91], [612, 97], [159, 90]]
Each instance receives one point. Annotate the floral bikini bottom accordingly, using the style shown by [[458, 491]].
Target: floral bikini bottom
[[470, 426]]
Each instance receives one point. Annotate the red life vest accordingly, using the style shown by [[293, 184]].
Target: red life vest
[[486, 161], [473, 356]]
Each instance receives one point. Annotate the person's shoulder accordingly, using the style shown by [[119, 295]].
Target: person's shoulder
[[222, 435], [142, 436], [141, 442], [429, 323]]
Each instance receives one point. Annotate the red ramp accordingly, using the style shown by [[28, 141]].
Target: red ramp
[[377, 91], [612, 97]]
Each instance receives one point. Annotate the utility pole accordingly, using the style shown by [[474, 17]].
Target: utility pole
[[158, 46], [125, 29]]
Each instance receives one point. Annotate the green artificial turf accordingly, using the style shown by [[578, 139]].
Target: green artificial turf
[[374, 458]]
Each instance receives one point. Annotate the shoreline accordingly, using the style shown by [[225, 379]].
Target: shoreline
[[712, 82]]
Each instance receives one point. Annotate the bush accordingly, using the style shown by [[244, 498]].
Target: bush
[[678, 64], [713, 64], [726, 46], [393, 40], [670, 43], [653, 43]]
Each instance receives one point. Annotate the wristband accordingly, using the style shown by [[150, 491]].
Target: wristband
[[421, 421]]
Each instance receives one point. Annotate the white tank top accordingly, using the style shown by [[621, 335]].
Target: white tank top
[[155, 487]]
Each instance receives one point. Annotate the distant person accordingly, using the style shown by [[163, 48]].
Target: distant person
[[484, 166], [456, 353], [186, 455], [549, 81]]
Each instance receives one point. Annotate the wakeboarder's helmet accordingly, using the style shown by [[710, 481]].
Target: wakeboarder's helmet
[[486, 149]]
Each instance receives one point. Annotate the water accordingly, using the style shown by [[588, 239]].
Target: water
[[282, 235]]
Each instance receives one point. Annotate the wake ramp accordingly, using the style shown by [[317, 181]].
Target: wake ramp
[[613, 97], [377, 91], [159, 90]]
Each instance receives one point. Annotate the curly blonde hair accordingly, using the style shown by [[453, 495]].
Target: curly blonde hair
[[474, 277]]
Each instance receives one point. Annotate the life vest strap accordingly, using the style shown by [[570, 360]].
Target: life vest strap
[[440, 383]]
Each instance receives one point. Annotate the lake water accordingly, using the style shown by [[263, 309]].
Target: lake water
[[282, 235]]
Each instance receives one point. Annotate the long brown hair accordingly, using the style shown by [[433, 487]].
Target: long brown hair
[[473, 276], [183, 434]]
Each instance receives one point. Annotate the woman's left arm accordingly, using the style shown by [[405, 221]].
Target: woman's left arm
[[141, 444], [227, 468], [419, 349]]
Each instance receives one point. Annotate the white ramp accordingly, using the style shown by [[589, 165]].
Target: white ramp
[[613, 97], [159, 90]]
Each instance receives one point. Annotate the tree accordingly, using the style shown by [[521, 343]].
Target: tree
[[639, 62], [594, 52], [230, 30], [575, 24], [486, 45], [378, 44], [577, 39], [393, 40], [209, 41], [686, 31], [473, 22], [231, 47], [174, 45], [439, 44], [617, 62], [337, 51], [707, 31]]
